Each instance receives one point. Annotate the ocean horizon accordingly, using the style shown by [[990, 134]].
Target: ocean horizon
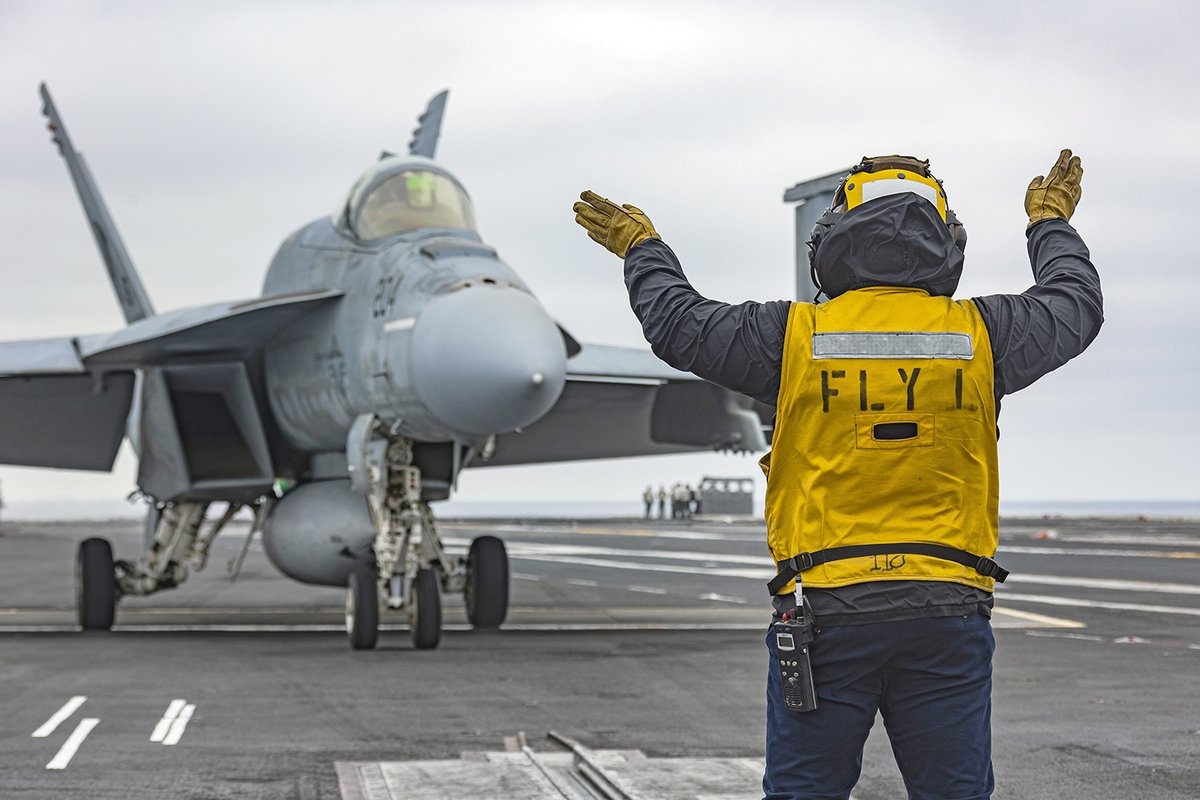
[[44, 511]]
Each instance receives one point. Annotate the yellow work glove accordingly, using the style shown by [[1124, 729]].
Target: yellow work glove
[[616, 227], [1057, 194]]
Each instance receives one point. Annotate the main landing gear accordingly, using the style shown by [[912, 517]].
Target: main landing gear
[[175, 541], [95, 585], [412, 568]]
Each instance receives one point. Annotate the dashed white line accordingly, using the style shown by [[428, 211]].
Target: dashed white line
[[179, 724], [723, 598], [67, 751], [646, 589], [164, 724], [58, 717], [525, 576], [582, 582]]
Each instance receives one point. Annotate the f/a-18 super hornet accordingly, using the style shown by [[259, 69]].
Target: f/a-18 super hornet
[[390, 349]]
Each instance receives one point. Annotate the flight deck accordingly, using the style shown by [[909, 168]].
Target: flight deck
[[632, 661]]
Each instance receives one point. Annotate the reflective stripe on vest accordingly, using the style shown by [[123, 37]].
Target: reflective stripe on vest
[[885, 433]]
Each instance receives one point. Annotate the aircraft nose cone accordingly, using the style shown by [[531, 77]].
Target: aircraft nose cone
[[487, 359]]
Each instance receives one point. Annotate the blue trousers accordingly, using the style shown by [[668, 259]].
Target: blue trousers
[[931, 680]]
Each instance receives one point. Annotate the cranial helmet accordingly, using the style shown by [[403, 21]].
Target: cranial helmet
[[883, 176]]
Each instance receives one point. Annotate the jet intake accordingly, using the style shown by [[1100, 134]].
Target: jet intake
[[486, 359]]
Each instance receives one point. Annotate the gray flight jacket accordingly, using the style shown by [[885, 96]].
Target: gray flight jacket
[[740, 347]]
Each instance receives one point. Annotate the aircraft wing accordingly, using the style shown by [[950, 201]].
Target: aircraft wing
[[231, 329], [622, 401], [64, 402], [54, 413]]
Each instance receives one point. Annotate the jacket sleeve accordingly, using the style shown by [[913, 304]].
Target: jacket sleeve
[[739, 347], [1053, 321]]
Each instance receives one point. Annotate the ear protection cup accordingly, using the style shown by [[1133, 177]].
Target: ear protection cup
[[822, 226], [957, 230]]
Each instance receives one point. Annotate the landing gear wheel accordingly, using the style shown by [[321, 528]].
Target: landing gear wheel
[[362, 610], [486, 591], [95, 585], [425, 610]]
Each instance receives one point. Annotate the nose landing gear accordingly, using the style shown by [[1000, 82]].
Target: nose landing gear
[[362, 609], [412, 567]]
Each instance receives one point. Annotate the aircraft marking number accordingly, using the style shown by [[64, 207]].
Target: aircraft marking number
[[385, 295]]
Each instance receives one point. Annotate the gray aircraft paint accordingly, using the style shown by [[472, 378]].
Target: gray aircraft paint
[[429, 331], [434, 330]]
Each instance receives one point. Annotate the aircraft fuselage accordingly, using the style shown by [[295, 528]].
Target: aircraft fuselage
[[434, 331]]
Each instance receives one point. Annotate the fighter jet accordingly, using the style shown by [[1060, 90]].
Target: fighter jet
[[391, 349]]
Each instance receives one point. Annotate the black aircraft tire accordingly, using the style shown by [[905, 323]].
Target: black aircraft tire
[[95, 585], [486, 591], [362, 610], [425, 616]]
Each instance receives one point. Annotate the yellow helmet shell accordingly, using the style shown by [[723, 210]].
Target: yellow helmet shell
[[862, 187]]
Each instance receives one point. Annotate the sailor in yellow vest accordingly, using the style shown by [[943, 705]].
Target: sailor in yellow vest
[[882, 486]]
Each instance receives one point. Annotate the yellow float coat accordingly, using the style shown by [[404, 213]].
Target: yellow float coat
[[885, 433]]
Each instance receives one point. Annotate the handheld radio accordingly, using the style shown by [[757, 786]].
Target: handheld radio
[[792, 639]]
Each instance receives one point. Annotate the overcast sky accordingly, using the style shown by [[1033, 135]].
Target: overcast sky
[[216, 129]]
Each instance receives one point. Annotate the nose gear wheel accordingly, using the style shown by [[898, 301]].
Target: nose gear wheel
[[425, 610], [362, 609]]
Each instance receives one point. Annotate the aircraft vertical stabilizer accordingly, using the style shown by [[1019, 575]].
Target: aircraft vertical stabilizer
[[135, 303], [425, 137]]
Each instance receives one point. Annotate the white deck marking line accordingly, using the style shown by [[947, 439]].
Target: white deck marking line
[[1166, 539], [723, 598], [1108, 583], [1092, 551], [67, 751], [646, 589], [528, 550], [178, 725], [1083, 637], [556, 555], [731, 536], [522, 548], [60, 716], [755, 574], [1079, 602], [582, 582], [164, 724], [386, 627], [1040, 619]]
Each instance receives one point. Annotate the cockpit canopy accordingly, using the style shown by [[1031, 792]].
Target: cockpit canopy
[[402, 195]]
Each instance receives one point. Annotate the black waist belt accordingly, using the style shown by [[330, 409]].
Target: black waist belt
[[790, 568]]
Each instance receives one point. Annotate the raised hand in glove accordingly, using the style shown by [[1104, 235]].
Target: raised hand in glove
[[1057, 194], [616, 227]]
